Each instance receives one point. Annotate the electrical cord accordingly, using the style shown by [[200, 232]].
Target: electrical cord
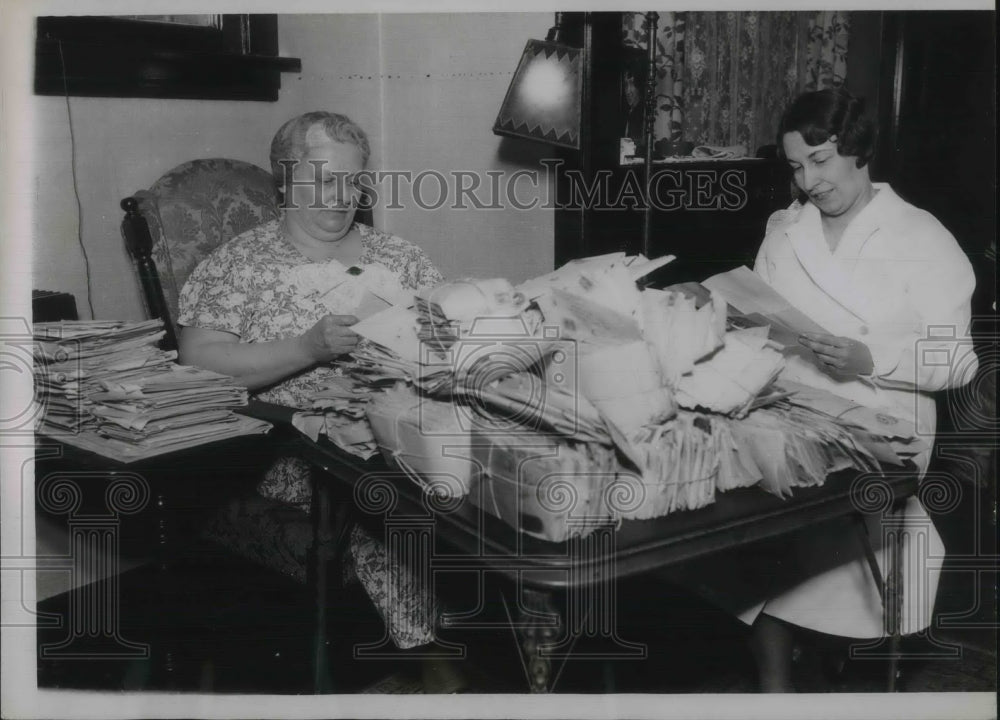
[[76, 190]]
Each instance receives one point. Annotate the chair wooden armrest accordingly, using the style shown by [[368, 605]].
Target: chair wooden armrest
[[135, 231]]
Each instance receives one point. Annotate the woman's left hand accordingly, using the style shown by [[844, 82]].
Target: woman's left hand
[[839, 355]]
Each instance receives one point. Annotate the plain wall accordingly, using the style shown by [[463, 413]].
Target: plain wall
[[447, 75], [426, 88]]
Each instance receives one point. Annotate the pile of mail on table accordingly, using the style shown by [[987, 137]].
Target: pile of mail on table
[[106, 386], [580, 397]]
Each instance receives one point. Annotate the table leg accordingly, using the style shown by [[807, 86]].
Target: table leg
[[866, 543], [890, 589], [894, 603], [165, 667]]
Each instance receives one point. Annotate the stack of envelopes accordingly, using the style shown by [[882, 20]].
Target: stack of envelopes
[[544, 487], [736, 464], [680, 332], [392, 351], [338, 411], [429, 440], [596, 304], [343, 395], [602, 277], [166, 407], [625, 384], [107, 387], [72, 358], [450, 311], [733, 378], [793, 446], [679, 463], [403, 345], [657, 385], [460, 333], [888, 438], [523, 401]]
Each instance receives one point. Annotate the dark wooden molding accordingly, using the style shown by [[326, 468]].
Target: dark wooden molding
[[98, 56], [884, 164]]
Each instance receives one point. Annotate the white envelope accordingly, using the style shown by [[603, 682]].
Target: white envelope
[[394, 328]]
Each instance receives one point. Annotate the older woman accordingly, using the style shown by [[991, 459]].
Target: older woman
[[251, 309], [878, 273], [256, 308]]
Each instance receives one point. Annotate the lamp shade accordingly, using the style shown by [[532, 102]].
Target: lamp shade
[[544, 97]]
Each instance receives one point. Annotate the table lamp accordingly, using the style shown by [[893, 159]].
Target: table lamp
[[544, 100]]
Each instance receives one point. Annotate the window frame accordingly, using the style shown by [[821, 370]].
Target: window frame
[[103, 56]]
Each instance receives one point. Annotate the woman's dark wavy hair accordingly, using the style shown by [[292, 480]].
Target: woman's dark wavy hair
[[822, 114]]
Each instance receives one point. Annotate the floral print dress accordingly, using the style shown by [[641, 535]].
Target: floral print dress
[[261, 288]]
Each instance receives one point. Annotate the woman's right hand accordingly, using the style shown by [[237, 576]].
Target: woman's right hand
[[330, 338]]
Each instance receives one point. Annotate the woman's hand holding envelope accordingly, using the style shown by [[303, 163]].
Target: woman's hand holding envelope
[[330, 338], [839, 355]]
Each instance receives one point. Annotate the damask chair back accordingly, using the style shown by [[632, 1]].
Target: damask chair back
[[188, 213]]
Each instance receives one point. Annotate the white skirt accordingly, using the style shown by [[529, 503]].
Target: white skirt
[[821, 579]]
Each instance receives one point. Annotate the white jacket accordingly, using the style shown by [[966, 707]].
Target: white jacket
[[897, 282]]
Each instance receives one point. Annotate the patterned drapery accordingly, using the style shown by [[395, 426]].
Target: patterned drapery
[[723, 78]]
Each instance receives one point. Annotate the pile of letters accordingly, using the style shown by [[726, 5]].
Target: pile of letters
[[73, 358], [660, 391], [107, 387]]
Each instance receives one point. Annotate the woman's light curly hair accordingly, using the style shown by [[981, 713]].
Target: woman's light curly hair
[[289, 142]]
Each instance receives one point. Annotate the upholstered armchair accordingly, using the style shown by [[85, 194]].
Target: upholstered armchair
[[169, 229], [184, 216]]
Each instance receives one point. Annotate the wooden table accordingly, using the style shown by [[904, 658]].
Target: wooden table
[[349, 489], [587, 567], [148, 508], [76, 482]]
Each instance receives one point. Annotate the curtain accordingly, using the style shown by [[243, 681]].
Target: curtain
[[668, 122], [724, 78], [826, 61]]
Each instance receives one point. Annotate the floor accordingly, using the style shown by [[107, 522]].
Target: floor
[[214, 624], [51, 541]]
